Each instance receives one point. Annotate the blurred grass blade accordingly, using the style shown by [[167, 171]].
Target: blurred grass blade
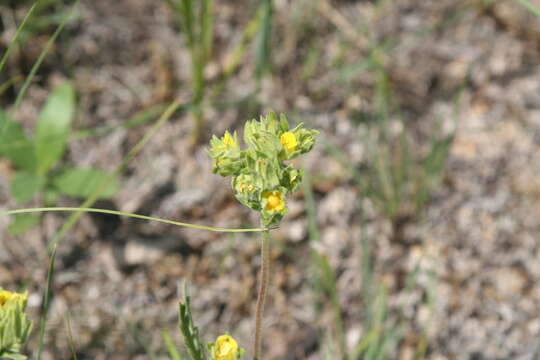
[[121, 213], [45, 303], [71, 342], [53, 126], [263, 57], [138, 119], [527, 4], [41, 57], [72, 220], [170, 346], [13, 41]]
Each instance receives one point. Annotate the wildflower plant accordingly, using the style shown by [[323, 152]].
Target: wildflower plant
[[14, 324], [224, 348], [262, 178]]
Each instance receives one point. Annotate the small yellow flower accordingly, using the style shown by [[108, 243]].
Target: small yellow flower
[[288, 140], [6, 296], [225, 348], [229, 140], [274, 201]]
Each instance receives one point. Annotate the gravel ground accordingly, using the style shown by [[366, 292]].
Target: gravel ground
[[455, 66]]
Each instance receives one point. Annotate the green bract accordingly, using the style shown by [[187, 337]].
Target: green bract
[[260, 177], [14, 324]]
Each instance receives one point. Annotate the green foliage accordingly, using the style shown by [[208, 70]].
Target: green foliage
[[263, 53], [82, 183], [400, 182], [224, 348], [172, 350], [190, 332], [36, 159], [53, 127], [196, 20], [260, 177], [14, 324]]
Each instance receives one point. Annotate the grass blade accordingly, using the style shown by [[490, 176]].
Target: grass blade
[[527, 5], [171, 347], [13, 42], [46, 302], [72, 220], [81, 210], [263, 45], [71, 342], [41, 57]]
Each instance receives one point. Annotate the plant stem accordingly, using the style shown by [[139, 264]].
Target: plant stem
[[263, 286]]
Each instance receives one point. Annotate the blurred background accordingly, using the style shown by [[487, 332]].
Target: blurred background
[[414, 235]]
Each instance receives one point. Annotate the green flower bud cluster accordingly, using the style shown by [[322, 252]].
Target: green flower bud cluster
[[260, 177], [14, 324]]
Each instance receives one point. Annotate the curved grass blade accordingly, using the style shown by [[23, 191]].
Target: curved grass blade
[[72, 220], [136, 216]]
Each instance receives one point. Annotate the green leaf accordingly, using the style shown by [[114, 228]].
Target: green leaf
[[53, 127], [14, 356], [82, 183], [14, 145], [22, 223], [50, 197], [24, 185]]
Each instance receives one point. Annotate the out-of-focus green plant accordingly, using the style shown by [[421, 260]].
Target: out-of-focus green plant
[[224, 348], [35, 159], [261, 179], [14, 324], [197, 22]]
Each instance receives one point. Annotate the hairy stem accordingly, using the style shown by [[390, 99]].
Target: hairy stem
[[263, 286]]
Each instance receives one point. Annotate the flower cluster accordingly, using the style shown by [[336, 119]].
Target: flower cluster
[[14, 324], [260, 177], [225, 348]]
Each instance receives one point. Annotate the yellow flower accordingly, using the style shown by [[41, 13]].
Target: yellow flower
[[274, 201], [6, 296], [225, 348], [229, 140], [288, 140]]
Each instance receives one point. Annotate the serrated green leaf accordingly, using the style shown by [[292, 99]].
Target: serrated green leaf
[[24, 185], [53, 127], [22, 223], [14, 145], [84, 182]]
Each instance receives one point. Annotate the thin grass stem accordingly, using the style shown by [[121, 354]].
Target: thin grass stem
[[41, 57], [136, 216], [13, 42], [72, 220]]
